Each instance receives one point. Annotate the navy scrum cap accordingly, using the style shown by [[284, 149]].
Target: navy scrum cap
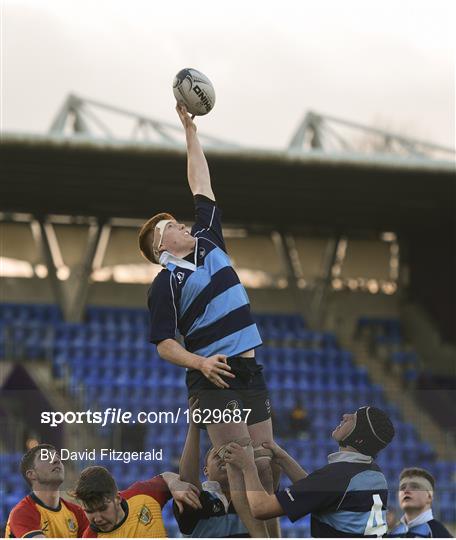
[[372, 432]]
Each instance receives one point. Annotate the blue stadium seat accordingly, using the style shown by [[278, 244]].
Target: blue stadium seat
[[109, 359]]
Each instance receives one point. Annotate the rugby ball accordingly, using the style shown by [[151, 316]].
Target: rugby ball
[[195, 90]]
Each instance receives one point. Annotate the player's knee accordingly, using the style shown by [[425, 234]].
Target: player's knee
[[245, 442], [263, 457], [262, 454], [265, 473]]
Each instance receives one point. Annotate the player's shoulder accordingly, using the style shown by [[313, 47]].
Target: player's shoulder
[[132, 490], [438, 529], [24, 518], [351, 467], [161, 277], [161, 280], [152, 487], [25, 505], [75, 508], [203, 200], [338, 468], [336, 475], [323, 476], [367, 474]]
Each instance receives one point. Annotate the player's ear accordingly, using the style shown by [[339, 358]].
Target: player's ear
[[31, 475]]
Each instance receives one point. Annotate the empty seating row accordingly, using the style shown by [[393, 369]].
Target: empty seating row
[[73, 337], [46, 313], [385, 326]]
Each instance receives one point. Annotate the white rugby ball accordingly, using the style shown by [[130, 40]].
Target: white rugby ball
[[195, 90]]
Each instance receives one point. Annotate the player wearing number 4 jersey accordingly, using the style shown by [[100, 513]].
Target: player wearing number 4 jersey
[[346, 498]]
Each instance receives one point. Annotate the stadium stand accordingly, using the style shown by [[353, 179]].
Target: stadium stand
[[357, 225], [386, 340], [106, 361], [434, 392]]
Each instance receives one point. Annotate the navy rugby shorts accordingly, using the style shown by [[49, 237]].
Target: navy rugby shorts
[[247, 391]]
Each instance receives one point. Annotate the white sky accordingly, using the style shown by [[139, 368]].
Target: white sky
[[389, 63]]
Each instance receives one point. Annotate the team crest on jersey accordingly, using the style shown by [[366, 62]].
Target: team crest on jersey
[[232, 405], [268, 406], [145, 515], [180, 276], [202, 252], [72, 527]]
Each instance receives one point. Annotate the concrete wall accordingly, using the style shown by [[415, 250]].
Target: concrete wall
[[344, 308]]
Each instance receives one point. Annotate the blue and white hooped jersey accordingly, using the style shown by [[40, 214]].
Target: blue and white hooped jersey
[[347, 498], [423, 526], [208, 305], [216, 519]]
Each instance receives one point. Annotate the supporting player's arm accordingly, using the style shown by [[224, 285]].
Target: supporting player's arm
[[289, 466], [197, 168], [182, 492], [262, 504], [189, 462], [276, 472], [213, 368]]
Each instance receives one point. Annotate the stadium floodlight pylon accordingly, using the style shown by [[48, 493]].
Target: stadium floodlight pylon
[[82, 117], [318, 132], [87, 117]]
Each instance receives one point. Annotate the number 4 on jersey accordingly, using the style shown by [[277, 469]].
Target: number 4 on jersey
[[376, 524]]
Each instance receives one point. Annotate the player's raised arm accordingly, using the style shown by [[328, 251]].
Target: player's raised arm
[[289, 466], [197, 169], [189, 462], [262, 504]]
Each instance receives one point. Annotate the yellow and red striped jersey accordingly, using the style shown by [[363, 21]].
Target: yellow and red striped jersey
[[31, 517], [142, 503]]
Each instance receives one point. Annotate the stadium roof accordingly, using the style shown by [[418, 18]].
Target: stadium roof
[[288, 189]]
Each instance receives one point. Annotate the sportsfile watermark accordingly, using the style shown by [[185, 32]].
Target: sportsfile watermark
[[119, 416]]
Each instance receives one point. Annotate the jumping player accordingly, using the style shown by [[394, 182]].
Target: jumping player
[[43, 513], [348, 497], [199, 294], [135, 512]]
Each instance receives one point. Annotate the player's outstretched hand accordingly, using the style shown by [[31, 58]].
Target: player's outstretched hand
[[185, 493], [239, 456], [185, 118], [214, 368]]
